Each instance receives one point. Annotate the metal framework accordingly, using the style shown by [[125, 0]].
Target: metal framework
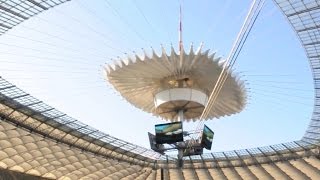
[[14, 12], [304, 16], [30, 114], [45, 120]]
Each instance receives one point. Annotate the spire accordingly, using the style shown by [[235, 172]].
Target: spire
[[180, 31], [180, 71]]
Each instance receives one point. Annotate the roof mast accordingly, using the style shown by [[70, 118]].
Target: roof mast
[[180, 44], [180, 31]]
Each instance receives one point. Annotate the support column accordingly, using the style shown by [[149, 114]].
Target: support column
[[180, 151], [180, 116]]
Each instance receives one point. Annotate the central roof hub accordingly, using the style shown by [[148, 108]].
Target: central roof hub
[[169, 102], [163, 85]]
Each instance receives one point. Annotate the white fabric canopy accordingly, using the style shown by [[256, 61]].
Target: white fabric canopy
[[139, 79]]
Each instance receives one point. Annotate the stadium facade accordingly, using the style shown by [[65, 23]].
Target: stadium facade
[[40, 142]]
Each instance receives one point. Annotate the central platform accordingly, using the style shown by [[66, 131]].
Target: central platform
[[191, 101], [167, 83]]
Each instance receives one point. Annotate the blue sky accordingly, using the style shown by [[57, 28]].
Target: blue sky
[[58, 56]]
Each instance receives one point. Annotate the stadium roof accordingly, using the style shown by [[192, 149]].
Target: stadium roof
[[39, 140]]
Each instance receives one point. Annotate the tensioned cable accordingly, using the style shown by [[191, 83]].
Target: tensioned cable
[[269, 75], [116, 12], [45, 33], [280, 98], [219, 16], [71, 59], [48, 78], [145, 17], [228, 63], [44, 65], [279, 103], [61, 59], [51, 44], [48, 35], [42, 57], [248, 71], [236, 49], [62, 39], [280, 82], [96, 16], [42, 51], [46, 71], [93, 84], [283, 94], [103, 35], [67, 29], [232, 56], [275, 106], [282, 88], [72, 89], [89, 27]]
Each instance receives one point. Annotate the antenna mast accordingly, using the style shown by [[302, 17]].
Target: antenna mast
[[180, 31], [180, 44]]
